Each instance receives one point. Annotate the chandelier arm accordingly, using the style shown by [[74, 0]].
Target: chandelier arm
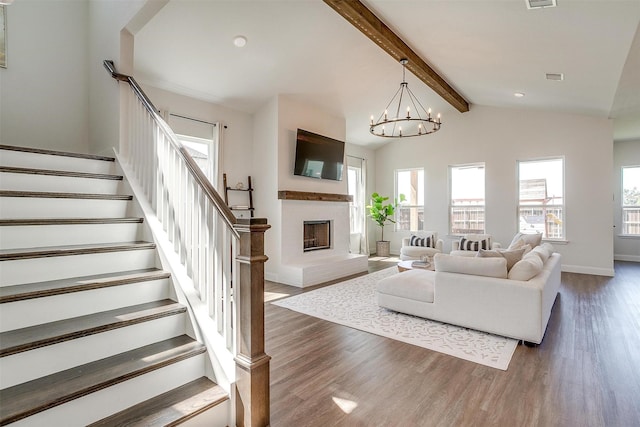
[[387, 107], [421, 106]]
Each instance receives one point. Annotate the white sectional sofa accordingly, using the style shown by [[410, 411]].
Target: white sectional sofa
[[477, 293]]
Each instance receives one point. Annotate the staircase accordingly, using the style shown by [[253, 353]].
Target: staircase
[[90, 330]]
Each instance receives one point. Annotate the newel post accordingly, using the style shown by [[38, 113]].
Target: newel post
[[252, 364]]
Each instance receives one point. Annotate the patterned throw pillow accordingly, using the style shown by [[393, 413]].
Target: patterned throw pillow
[[427, 242], [473, 245]]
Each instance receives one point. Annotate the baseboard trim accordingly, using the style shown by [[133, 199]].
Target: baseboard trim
[[632, 258], [597, 271]]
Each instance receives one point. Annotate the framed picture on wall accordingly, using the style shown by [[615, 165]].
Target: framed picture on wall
[[3, 36]]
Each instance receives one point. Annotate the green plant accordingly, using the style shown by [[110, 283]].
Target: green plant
[[382, 213]]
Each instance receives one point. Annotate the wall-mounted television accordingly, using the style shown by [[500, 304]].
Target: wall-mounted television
[[318, 156]]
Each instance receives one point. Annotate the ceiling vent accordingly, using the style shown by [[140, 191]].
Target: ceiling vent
[[555, 76], [540, 4]]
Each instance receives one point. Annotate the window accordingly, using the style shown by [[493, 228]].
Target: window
[[355, 187], [410, 214], [631, 200], [466, 208], [541, 200]]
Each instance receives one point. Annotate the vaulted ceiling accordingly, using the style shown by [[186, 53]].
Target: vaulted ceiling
[[485, 50]]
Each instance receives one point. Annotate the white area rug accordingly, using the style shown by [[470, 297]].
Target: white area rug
[[352, 303]]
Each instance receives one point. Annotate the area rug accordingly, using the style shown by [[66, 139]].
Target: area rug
[[352, 303]]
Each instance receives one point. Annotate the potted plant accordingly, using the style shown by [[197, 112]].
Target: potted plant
[[382, 213]]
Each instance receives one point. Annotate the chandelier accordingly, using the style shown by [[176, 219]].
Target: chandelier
[[394, 123]]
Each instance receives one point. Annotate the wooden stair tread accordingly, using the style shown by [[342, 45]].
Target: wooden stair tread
[[55, 195], [69, 221], [30, 171], [170, 408], [78, 284], [19, 340], [29, 398], [56, 153], [68, 250]]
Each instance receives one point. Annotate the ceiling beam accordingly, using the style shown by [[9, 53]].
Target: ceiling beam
[[364, 20]]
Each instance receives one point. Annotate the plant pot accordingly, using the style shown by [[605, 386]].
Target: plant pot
[[383, 248]]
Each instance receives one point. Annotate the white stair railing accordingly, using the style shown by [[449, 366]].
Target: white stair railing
[[206, 238]]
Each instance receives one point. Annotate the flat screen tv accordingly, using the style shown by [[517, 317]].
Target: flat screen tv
[[318, 156]]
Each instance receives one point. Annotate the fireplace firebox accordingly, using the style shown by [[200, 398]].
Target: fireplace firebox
[[317, 235]]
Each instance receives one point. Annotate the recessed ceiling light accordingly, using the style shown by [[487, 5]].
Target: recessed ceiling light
[[518, 95], [240, 41], [555, 76]]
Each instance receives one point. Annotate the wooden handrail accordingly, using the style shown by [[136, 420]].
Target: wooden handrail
[[210, 192]]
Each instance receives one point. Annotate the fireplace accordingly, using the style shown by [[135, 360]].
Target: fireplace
[[316, 235]]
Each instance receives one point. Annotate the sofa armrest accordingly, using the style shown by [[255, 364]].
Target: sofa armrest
[[405, 241], [455, 245], [504, 307], [439, 245], [495, 245]]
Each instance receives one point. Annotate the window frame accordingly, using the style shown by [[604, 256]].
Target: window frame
[[402, 206], [562, 207], [452, 206], [624, 207]]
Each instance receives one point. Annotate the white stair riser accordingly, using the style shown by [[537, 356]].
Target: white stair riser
[[103, 403], [36, 207], [37, 311], [29, 365], [219, 415], [43, 161], [60, 184], [17, 272], [32, 236]]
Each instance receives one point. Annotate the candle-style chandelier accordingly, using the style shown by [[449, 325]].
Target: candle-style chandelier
[[394, 123]]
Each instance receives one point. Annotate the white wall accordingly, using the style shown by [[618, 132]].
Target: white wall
[[107, 19], [625, 153], [499, 137], [44, 92], [265, 164], [291, 116]]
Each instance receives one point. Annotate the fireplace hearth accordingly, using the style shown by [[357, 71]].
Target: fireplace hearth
[[316, 235]]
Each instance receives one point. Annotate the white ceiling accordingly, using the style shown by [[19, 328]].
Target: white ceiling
[[486, 50]]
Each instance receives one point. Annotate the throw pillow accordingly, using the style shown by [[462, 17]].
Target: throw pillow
[[427, 242], [525, 269], [549, 247], [485, 253], [473, 245], [541, 252], [512, 257], [489, 267], [533, 239]]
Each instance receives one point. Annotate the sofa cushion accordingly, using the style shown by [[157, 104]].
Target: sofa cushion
[[413, 284], [541, 252], [426, 241], [416, 252], [512, 257], [490, 267], [527, 268], [533, 239], [467, 244]]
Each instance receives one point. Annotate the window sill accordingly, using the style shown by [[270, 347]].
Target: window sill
[[629, 236], [555, 242]]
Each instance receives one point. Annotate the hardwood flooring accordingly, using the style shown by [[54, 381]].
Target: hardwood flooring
[[586, 372]]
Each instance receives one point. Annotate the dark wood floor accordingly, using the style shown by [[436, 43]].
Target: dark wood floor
[[586, 372]]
